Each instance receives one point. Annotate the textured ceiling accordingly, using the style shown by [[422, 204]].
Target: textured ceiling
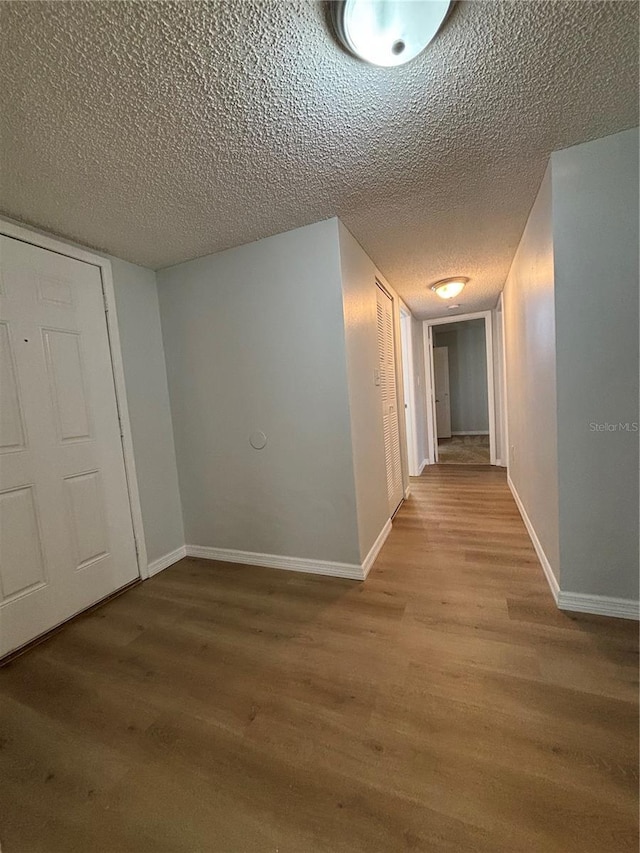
[[163, 131]]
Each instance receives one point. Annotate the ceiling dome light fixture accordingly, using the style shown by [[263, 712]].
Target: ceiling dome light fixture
[[388, 32], [449, 288]]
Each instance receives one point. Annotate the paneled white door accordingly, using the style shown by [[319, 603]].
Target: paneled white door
[[443, 402], [66, 534], [389, 395]]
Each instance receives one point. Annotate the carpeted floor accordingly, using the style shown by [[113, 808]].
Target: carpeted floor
[[464, 450]]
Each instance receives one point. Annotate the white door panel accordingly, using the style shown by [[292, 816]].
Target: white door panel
[[66, 535], [442, 398], [389, 395], [12, 435], [22, 558]]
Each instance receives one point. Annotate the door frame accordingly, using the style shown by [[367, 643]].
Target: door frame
[[431, 404], [17, 231], [501, 353], [406, 344]]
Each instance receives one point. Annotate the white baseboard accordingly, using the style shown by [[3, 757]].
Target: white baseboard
[[600, 605], [166, 561], [370, 559], [472, 432], [275, 561], [352, 571], [544, 562], [407, 493], [423, 465]]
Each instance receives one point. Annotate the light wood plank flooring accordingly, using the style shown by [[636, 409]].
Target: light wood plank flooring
[[444, 705], [464, 450]]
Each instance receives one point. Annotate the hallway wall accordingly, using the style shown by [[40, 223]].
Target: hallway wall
[[530, 345], [254, 339], [595, 226], [148, 403], [571, 304], [359, 275], [359, 306]]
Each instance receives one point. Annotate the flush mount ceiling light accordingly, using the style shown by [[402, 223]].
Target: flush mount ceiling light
[[388, 32], [449, 288]]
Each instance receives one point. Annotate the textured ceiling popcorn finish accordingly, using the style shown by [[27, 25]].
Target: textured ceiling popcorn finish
[[163, 131]]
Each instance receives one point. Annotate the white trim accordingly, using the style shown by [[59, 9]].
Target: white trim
[[505, 406], [504, 411], [456, 318], [407, 493], [275, 561], [166, 561], [601, 605], [370, 559], [432, 442], [491, 393], [544, 562], [13, 229], [491, 403], [353, 571], [472, 432], [406, 351], [424, 464]]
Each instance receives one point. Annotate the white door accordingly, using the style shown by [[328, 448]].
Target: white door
[[66, 535], [389, 395], [441, 378]]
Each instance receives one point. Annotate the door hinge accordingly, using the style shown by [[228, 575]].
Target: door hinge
[[105, 303]]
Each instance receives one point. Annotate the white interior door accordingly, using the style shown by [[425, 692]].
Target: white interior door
[[389, 396], [442, 400], [66, 534]]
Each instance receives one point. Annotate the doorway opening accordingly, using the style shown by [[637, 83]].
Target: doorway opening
[[460, 366]]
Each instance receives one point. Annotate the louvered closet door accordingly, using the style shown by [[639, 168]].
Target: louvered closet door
[[389, 397], [66, 535]]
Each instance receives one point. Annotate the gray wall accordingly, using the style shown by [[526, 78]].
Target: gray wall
[[529, 312], [595, 221], [360, 325], [254, 340], [468, 394], [148, 403]]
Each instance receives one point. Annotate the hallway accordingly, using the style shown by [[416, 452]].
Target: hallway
[[443, 705]]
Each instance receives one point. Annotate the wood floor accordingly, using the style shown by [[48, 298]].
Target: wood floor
[[464, 450], [443, 705]]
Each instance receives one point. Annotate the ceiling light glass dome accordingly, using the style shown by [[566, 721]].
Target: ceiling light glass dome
[[388, 32], [449, 288]]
